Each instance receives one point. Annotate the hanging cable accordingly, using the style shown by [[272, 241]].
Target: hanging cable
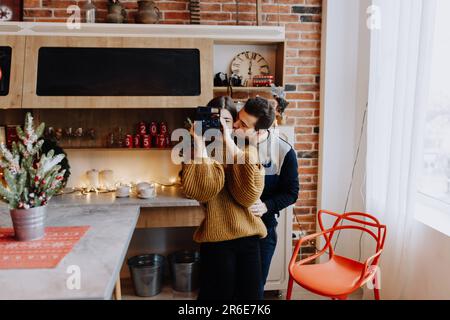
[[363, 125]]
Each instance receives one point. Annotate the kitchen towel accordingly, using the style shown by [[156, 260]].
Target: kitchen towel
[[39, 254]]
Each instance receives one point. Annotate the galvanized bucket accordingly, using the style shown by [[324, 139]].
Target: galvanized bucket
[[147, 274], [29, 224], [185, 270]]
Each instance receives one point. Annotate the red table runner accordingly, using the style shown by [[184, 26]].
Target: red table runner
[[45, 253]]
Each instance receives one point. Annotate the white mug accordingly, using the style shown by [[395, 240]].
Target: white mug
[[122, 191], [149, 192]]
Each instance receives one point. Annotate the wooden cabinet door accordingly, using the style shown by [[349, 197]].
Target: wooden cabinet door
[[35, 99], [13, 99]]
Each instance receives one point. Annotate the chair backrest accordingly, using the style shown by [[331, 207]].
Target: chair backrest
[[361, 221]]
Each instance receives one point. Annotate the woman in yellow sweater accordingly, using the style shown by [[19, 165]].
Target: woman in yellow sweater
[[230, 265]]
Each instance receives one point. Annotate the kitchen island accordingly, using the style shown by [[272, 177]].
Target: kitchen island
[[101, 251]]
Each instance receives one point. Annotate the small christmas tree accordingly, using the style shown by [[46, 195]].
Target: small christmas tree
[[32, 178]]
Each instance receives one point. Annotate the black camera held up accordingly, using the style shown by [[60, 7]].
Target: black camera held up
[[208, 116]]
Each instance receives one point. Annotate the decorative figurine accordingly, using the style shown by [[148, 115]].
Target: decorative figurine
[[116, 13], [148, 12]]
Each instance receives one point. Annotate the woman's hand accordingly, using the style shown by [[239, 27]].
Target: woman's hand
[[231, 147], [258, 209], [226, 131], [199, 143]]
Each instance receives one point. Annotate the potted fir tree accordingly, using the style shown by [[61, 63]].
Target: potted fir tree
[[31, 178]]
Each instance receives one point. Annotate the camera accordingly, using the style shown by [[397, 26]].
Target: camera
[[209, 117], [221, 80]]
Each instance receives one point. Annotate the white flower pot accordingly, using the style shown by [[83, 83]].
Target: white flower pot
[[29, 224]]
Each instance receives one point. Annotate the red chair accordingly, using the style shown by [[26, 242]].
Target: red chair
[[338, 277]]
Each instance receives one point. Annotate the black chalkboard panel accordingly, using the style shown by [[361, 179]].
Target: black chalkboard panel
[[5, 70], [66, 71]]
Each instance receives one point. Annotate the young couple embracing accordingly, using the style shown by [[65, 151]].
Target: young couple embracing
[[242, 199]]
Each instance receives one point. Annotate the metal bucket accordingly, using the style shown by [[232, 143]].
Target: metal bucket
[[185, 270], [147, 274], [29, 224]]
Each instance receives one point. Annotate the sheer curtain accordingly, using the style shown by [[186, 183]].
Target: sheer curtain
[[398, 72]]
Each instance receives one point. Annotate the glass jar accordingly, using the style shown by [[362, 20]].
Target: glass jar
[[90, 12]]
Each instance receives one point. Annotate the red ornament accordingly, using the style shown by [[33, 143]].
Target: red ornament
[[129, 141], [146, 141], [137, 141], [153, 128], [141, 128], [161, 141], [162, 128]]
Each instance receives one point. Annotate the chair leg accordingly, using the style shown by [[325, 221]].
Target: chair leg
[[376, 290], [376, 293], [289, 290], [118, 290]]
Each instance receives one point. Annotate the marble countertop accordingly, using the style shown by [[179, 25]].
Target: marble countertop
[[166, 197], [99, 254]]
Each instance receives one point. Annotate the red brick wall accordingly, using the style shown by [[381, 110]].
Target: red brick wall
[[302, 19]]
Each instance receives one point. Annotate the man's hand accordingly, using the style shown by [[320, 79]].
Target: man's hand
[[258, 208]]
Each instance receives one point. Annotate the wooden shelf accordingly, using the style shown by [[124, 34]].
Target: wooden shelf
[[167, 293], [115, 149], [244, 89]]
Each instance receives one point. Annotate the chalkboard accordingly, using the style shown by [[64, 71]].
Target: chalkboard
[[66, 71]]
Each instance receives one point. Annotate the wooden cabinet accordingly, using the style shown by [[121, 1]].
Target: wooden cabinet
[[15, 46], [36, 46]]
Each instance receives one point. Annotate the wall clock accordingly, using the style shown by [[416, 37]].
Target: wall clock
[[249, 64], [11, 10]]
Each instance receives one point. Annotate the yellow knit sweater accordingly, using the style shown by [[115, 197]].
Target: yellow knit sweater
[[227, 192]]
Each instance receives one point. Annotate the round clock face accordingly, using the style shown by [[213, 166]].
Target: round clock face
[[249, 64]]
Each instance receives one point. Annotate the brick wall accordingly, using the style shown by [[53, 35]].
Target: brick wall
[[302, 19]]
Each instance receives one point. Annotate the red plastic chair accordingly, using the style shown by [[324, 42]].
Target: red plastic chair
[[338, 277]]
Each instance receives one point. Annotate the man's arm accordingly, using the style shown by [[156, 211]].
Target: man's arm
[[288, 185]]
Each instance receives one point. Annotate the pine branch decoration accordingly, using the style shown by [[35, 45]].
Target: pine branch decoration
[[32, 178]]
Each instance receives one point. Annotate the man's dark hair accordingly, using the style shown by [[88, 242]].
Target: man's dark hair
[[261, 109]]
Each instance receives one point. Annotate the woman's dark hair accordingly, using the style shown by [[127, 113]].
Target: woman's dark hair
[[261, 109], [224, 102]]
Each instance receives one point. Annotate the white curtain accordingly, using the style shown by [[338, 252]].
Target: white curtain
[[398, 71]]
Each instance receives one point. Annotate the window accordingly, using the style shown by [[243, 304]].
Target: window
[[434, 173]]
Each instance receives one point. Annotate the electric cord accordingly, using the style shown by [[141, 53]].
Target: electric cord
[[364, 203], [352, 178], [349, 189]]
